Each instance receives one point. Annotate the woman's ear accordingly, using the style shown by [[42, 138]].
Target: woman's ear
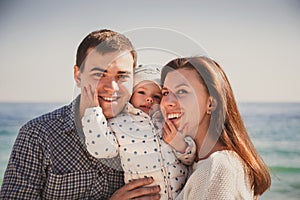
[[77, 75], [212, 105]]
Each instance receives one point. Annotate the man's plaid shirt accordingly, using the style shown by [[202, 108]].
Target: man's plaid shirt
[[50, 161]]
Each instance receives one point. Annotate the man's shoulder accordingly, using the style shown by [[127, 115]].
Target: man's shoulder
[[56, 118]]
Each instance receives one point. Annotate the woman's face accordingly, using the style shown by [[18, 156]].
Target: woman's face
[[185, 101]]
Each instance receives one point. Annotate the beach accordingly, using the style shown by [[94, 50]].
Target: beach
[[273, 127]]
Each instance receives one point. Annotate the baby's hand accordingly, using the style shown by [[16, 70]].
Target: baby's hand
[[174, 137], [89, 97]]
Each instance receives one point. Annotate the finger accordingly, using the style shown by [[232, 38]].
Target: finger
[[149, 197], [144, 192], [184, 129], [137, 190], [96, 102], [166, 130], [168, 124], [83, 91], [85, 95], [138, 183], [89, 92], [173, 129], [164, 136], [168, 136]]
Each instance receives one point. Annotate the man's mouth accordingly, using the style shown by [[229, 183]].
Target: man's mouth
[[109, 99]]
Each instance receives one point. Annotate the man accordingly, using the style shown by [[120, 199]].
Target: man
[[49, 158]]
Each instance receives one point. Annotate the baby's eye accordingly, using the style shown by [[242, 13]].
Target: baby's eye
[[141, 92], [157, 97]]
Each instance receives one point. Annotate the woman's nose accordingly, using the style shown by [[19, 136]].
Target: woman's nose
[[169, 100]]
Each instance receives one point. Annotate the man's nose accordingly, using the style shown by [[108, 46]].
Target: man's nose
[[109, 83]]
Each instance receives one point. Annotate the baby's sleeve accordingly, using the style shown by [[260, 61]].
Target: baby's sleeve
[[99, 138], [188, 156]]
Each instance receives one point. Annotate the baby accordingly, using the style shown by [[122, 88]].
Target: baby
[[136, 136]]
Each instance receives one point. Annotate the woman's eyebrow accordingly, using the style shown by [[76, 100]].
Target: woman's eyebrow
[[182, 84]]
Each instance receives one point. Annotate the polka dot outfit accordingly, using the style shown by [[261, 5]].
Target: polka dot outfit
[[133, 136]]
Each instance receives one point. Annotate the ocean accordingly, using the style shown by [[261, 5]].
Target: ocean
[[273, 127]]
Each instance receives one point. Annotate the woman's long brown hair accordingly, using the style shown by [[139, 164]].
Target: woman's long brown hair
[[226, 122]]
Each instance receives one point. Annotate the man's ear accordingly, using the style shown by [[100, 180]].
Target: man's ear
[[211, 105], [77, 75]]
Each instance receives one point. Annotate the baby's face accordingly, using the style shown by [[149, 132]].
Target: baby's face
[[146, 96]]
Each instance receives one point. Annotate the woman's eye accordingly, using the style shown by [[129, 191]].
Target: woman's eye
[[165, 93], [181, 91]]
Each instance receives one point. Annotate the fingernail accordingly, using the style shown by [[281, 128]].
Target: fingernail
[[150, 179]]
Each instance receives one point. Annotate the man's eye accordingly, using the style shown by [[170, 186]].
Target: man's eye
[[123, 77], [98, 74]]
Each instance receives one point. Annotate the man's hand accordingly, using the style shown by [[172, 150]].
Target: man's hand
[[135, 190]]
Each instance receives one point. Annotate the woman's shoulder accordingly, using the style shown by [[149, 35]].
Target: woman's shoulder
[[224, 161], [225, 155]]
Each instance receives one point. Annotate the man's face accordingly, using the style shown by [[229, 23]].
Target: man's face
[[111, 76]]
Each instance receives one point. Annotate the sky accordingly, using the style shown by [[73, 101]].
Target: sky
[[256, 42]]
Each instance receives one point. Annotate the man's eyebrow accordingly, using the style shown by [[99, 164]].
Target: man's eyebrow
[[104, 70], [98, 69], [124, 72]]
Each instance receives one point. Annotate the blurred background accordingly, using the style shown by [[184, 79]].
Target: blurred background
[[256, 42]]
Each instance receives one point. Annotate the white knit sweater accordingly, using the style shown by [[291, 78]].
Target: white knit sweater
[[219, 177]]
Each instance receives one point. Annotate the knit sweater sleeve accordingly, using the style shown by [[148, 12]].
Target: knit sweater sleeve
[[99, 138], [217, 177]]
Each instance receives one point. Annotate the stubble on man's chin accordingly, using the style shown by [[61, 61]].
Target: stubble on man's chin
[[111, 113]]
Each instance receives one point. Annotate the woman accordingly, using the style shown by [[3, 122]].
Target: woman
[[198, 101]]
